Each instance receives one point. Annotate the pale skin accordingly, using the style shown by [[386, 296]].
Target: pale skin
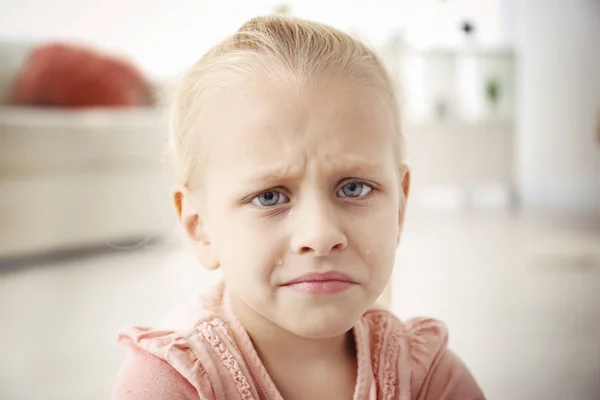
[[299, 181]]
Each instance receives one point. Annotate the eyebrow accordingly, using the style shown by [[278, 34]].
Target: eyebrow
[[347, 165]]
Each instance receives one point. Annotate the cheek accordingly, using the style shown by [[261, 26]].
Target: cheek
[[245, 244], [381, 224], [377, 239]]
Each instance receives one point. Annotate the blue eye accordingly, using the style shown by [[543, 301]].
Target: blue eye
[[354, 190], [269, 199]]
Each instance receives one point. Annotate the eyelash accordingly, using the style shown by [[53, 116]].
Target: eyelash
[[250, 199]]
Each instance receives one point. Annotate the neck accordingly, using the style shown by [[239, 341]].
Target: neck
[[277, 346]]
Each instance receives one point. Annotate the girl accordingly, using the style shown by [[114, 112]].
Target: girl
[[292, 181]]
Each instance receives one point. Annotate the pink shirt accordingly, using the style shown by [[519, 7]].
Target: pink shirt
[[215, 359]]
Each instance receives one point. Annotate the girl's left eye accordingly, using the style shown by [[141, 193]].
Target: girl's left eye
[[269, 199], [354, 190]]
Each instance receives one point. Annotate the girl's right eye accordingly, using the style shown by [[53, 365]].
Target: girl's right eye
[[269, 199]]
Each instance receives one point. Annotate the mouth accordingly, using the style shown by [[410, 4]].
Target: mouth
[[322, 283]]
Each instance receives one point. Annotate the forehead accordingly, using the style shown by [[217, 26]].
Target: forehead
[[328, 123]]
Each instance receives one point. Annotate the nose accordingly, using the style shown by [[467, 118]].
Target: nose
[[316, 229]]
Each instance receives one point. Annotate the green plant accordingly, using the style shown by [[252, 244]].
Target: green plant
[[492, 90]]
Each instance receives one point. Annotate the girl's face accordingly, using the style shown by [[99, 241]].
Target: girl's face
[[302, 186]]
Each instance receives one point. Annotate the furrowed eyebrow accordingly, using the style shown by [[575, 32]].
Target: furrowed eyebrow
[[344, 164], [270, 174]]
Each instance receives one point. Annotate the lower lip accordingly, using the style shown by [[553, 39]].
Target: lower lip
[[321, 287]]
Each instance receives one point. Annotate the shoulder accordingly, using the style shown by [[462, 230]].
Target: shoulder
[[145, 376], [418, 350], [417, 343], [169, 364], [422, 333]]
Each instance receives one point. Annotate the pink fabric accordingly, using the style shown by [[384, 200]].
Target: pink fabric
[[216, 360]]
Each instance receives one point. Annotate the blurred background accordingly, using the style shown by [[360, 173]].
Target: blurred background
[[501, 102]]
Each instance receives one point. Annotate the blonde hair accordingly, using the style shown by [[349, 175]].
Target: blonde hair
[[292, 51]]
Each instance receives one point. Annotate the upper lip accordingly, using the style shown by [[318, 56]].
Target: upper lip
[[321, 277]]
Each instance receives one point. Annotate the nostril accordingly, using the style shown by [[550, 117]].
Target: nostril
[[305, 249]]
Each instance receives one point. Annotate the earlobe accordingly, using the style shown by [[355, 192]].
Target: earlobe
[[191, 221]]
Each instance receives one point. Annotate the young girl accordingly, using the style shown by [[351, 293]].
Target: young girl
[[292, 181]]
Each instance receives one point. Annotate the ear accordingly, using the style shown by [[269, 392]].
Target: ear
[[190, 219], [404, 176]]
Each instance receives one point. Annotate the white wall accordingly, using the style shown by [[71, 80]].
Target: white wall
[[162, 36], [165, 36], [558, 155]]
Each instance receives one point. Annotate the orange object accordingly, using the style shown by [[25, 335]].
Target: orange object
[[69, 76]]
